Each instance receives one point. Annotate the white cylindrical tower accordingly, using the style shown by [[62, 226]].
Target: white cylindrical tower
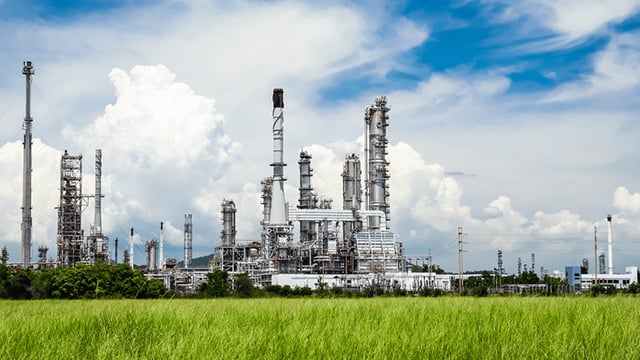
[[25, 253], [609, 240], [278, 202]]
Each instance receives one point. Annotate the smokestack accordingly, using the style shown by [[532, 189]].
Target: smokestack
[[278, 202], [161, 245], [131, 249], [609, 240], [25, 254]]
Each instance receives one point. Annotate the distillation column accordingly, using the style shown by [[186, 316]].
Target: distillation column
[[188, 239], [25, 253], [70, 235], [377, 174], [351, 193], [306, 199], [228, 236], [151, 248]]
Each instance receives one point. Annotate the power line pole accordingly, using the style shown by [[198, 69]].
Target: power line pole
[[595, 252], [430, 272], [460, 263]]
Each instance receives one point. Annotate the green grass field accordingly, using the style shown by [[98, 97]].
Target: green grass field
[[383, 328]]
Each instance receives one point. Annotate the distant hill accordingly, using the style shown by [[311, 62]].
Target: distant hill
[[199, 262]]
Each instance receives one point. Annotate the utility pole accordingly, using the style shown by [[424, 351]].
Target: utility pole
[[460, 264], [595, 252], [430, 272]]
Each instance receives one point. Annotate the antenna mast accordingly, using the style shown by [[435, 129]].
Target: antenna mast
[[25, 254]]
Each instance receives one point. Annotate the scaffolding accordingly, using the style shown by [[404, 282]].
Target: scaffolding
[[70, 236]]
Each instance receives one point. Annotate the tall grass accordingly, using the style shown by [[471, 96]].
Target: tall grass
[[384, 328]]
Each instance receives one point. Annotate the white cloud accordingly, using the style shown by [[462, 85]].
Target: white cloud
[[567, 22], [44, 197], [614, 71]]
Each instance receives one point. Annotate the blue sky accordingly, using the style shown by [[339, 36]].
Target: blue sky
[[515, 120]]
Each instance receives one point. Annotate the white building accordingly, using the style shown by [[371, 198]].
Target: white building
[[620, 281]]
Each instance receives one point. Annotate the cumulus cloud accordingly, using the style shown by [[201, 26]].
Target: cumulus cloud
[[45, 184], [161, 143]]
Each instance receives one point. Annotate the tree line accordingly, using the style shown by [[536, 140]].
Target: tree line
[[103, 281], [79, 282]]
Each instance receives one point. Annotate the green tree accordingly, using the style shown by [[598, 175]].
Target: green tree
[[217, 284], [243, 286]]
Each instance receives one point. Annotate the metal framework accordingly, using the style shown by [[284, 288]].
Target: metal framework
[[70, 237]]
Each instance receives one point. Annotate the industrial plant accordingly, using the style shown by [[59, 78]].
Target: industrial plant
[[303, 242]]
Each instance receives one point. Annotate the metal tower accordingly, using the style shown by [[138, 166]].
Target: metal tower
[[98, 249], [351, 183], [267, 185], [351, 191], [128, 255], [226, 251], [5, 255], [70, 210], [610, 243], [377, 174], [188, 239], [42, 256], [228, 232], [151, 248], [161, 245], [307, 198], [25, 253], [278, 231], [533, 262]]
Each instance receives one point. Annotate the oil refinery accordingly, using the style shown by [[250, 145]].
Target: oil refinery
[[350, 246]]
